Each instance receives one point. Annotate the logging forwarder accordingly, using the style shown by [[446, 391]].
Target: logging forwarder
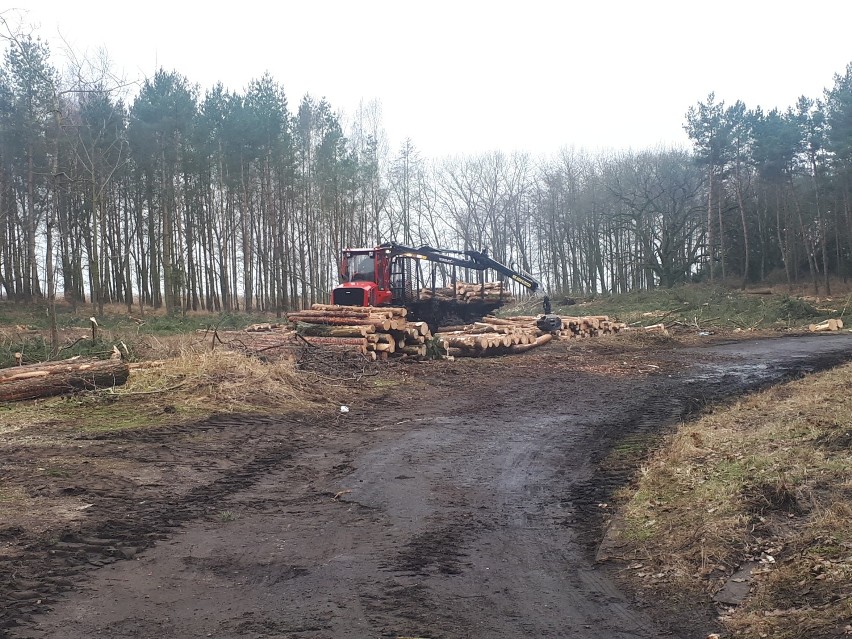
[[397, 275]]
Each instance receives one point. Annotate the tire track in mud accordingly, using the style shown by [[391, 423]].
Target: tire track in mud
[[42, 568], [533, 492]]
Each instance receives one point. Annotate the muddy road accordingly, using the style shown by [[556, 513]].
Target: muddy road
[[467, 502]]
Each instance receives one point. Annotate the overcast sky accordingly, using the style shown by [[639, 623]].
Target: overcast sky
[[469, 76]]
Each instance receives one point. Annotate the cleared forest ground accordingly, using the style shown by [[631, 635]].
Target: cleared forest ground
[[221, 495]]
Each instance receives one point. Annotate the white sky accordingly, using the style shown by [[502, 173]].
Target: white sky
[[468, 76]]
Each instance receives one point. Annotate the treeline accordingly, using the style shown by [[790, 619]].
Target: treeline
[[229, 200]]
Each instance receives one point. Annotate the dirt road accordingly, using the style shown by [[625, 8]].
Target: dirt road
[[472, 511]]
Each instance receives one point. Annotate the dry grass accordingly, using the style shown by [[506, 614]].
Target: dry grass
[[768, 479], [225, 380], [182, 380]]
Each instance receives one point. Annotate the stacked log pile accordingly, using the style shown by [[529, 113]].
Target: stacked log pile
[[466, 293], [590, 326], [498, 336], [490, 337], [375, 332], [380, 333]]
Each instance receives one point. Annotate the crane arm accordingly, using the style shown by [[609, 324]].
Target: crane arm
[[476, 260], [521, 277], [479, 261]]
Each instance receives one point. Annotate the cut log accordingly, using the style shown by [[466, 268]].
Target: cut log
[[419, 351], [378, 324], [497, 321], [462, 341], [393, 311], [257, 328], [827, 325], [523, 348], [353, 312], [325, 330], [657, 327], [420, 327], [465, 293], [337, 341], [59, 378], [455, 328]]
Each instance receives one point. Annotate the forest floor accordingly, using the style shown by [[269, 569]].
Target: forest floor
[[433, 499]]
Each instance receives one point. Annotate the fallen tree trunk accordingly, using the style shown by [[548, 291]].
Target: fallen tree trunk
[[58, 378]]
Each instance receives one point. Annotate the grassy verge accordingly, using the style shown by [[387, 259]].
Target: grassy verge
[[189, 381], [191, 385], [704, 307], [767, 480]]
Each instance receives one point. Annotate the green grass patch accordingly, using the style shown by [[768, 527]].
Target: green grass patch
[[628, 451], [100, 412], [35, 317], [128, 415], [36, 348], [25, 329], [383, 382], [177, 324]]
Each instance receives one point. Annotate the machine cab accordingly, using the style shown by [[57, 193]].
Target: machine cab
[[358, 266], [364, 277]]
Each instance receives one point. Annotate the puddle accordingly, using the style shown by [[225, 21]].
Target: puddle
[[765, 362]]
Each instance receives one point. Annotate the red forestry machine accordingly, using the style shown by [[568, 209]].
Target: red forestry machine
[[394, 275]]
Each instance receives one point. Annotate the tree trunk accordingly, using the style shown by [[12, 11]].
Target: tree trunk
[[745, 233], [58, 378]]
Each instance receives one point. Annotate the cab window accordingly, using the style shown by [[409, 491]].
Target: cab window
[[362, 268]]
